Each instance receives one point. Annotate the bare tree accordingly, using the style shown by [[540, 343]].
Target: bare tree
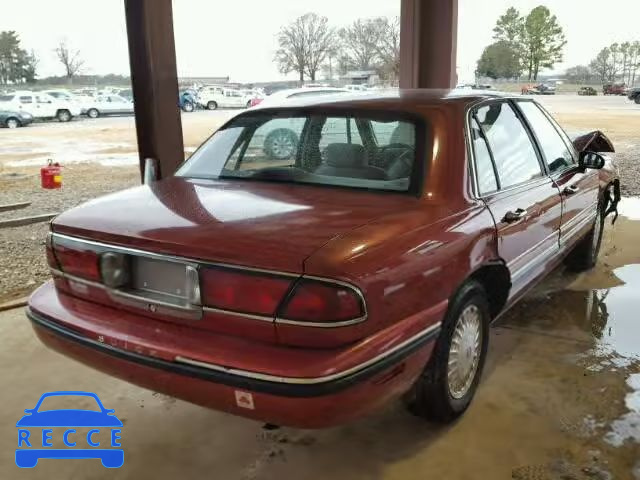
[[360, 43], [304, 45], [388, 46], [70, 59]]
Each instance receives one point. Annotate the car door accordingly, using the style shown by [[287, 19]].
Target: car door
[[579, 188], [523, 199], [46, 105], [27, 103]]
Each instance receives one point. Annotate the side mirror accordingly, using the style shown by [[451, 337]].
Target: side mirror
[[591, 160]]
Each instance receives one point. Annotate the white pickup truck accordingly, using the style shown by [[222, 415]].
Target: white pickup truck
[[212, 97], [40, 105]]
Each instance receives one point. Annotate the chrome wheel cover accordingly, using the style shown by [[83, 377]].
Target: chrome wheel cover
[[12, 123], [282, 147], [464, 352]]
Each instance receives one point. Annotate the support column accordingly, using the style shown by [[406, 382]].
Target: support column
[[428, 43], [154, 78]]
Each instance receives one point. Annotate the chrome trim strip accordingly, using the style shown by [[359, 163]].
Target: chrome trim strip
[[579, 218], [173, 258], [535, 261], [311, 380], [566, 237], [515, 260], [249, 316]]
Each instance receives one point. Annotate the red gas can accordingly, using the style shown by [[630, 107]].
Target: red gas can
[[51, 175]]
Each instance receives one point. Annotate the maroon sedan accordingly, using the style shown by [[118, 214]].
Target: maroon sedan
[[311, 289]]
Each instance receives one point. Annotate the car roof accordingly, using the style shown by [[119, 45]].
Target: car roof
[[397, 98]]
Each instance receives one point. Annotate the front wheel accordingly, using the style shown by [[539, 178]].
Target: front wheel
[[212, 106], [93, 113], [446, 387], [64, 116], [188, 107], [12, 123], [585, 254]]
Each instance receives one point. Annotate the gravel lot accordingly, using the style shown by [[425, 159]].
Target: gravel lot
[[99, 156]]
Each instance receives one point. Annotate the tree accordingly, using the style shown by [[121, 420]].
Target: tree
[[579, 74], [601, 64], [543, 41], [509, 27], [304, 45], [500, 60], [388, 47], [70, 60], [16, 65], [360, 43], [635, 62]]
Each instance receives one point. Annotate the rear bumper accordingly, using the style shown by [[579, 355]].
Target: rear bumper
[[308, 402]]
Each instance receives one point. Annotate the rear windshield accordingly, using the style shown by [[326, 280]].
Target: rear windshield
[[360, 151]]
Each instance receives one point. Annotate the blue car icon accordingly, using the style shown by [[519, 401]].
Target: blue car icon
[[29, 452]]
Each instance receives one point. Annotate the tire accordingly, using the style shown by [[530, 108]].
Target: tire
[[585, 254], [12, 122], [93, 113], [435, 396], [637, 99], [188, 107], [281, 144], [212, 105], [64, 116]]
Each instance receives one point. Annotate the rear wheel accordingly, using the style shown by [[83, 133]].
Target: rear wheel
[[63, 115], [188, 107], [12, 123], [585, 254], [212, 105], [93, 113], [447, 385]]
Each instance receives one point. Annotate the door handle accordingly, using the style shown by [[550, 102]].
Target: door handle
[[518, 215], [571, 190]]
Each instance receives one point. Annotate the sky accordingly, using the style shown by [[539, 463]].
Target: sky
[[238, 38]]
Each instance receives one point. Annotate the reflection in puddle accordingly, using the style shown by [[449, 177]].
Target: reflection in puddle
[[630, 208]]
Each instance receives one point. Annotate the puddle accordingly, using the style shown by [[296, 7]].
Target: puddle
[[627, 427], [630, 207]]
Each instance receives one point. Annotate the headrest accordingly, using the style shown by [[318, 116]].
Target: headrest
[[345, 155], [404, 133]]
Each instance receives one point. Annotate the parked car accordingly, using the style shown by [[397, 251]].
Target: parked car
[[126, 93], [109, 105], [311, 291], [614, 89], [40, 105], [187, 101], [13, 119], [281, 143], [587, 91], [634, 94], [356, 88], [221, 97], [539, 89], [82, 101]]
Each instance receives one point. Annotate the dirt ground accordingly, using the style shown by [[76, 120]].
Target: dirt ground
[[560, 399]]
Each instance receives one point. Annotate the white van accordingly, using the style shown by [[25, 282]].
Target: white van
[[40, 105]]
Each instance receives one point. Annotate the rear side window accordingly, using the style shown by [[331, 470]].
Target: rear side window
[[555, 150], [26, 99], [513, 152], [6, 98], [485, 173]]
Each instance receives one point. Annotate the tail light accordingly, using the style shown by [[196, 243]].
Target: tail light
[[75, 258], [256, 101], [242, 291], [322, 302]]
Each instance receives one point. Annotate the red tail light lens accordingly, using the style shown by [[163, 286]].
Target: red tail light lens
[[241, 291], [51, 256], [76, 258], [323, 302]]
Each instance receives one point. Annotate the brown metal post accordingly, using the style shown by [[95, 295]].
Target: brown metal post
[[154, 78], [428, 43]]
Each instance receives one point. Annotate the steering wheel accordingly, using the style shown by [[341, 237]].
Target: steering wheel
[[402, 165]]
